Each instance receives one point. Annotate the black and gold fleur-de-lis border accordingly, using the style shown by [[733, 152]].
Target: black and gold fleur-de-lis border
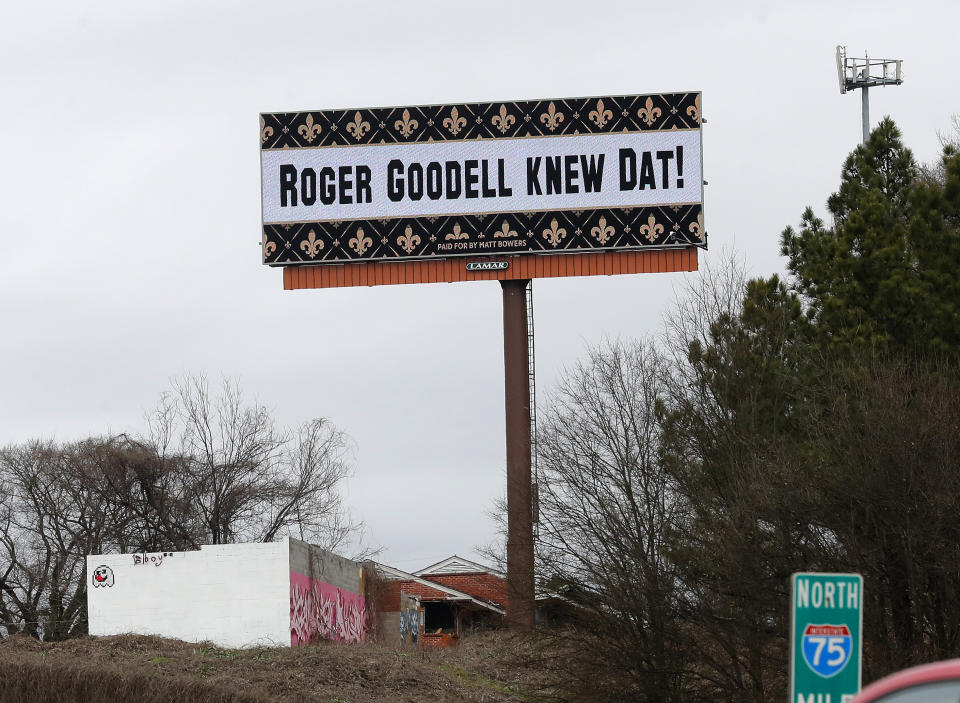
[[483, 235], [497, 120]]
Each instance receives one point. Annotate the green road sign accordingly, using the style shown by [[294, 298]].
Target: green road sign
[[826, 622]]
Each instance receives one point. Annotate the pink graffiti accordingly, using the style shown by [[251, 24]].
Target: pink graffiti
[[321, 611]]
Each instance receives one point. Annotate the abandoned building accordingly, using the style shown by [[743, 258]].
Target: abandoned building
[[439, 604], [290, 593], [284, 593]]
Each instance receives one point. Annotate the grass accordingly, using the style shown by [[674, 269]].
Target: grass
[[476, 680], [143, 669]]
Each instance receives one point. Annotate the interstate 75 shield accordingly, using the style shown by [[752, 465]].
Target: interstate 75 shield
[[826, 648]]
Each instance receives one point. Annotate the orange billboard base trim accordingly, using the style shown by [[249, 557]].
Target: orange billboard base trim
[[524, 266]]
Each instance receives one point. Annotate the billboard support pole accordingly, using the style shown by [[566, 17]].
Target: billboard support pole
[[516, 354]]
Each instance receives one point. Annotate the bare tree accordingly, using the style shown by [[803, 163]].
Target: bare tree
[[148, 495], [950, 144], [715, 292], [242, 477], [51, 519], [606, 507]]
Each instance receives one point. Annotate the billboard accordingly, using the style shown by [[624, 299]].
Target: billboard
[[417, 183]]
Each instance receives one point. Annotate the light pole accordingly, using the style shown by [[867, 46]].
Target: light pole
[[856, 73]]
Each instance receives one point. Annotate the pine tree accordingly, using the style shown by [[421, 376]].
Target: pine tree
[[884, 275]]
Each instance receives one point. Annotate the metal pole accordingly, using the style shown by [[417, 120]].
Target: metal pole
[[865, 110], [865, 98], [520, 607]]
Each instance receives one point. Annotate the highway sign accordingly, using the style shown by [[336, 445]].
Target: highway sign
[[826, 628]]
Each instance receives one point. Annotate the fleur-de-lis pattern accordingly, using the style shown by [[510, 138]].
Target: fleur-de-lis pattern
[[696, 228], [602, 232], [311, 245], [503, 120], [505, 231], [551, 118], [358, 127], [555, 234], [600, 116], [309, 130], [648, 113], [693, 111], [652, 229], [405, 125], [408, 241], [454, 122], [360, 242], [266, 131], [456, 234], [268, 247], [467, 235], [425, 123]]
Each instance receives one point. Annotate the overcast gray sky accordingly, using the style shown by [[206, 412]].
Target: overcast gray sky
[[131, 218]]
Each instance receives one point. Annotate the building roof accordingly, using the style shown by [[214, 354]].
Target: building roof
[[392, 574], [457, 565]]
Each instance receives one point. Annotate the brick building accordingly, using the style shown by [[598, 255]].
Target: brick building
[[438, 604]]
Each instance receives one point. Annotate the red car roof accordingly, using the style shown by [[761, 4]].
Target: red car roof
[[926, 673]]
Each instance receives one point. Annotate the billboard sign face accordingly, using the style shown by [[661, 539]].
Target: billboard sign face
[[825, 637], [541, 176]]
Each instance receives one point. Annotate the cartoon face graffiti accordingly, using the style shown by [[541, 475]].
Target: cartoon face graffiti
[[102, 577]]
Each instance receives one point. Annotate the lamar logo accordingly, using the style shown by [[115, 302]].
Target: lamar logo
[[102, 577], [488, 266]]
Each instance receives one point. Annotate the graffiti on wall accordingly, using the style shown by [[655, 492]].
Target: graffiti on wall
[[155, 559], [102, 577], [321, 611], [409, 626]]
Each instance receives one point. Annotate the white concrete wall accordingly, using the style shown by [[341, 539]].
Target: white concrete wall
[[235, 595]]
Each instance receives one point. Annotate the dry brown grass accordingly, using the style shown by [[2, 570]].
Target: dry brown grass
[[142, 669]]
